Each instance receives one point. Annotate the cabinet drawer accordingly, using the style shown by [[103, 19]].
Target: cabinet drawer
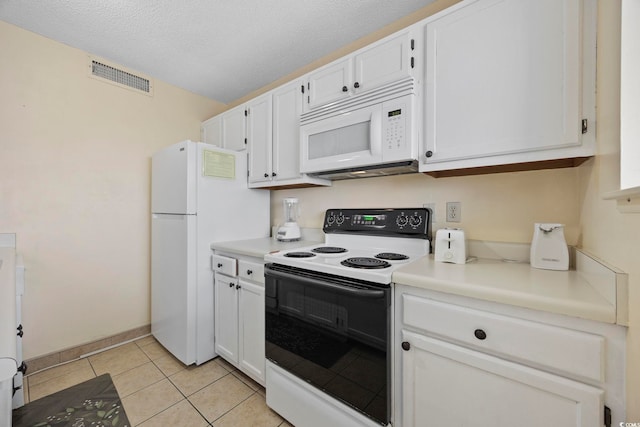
[[253, 271], [225, 265], [579, 354]]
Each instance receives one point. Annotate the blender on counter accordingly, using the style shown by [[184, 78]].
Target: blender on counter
[[290, 230]]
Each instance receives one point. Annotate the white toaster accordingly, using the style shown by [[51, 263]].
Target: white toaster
[[450, 246]]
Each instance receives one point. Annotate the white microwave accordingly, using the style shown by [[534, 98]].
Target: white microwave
[[366, 139]]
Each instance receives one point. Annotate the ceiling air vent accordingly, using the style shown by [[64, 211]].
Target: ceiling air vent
[[120, 77]]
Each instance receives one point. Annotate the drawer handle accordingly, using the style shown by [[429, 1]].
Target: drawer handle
[[480, 334], [219, 265], [238, 286], [406, 346], [20, 334], [249, 272], [231, 285]]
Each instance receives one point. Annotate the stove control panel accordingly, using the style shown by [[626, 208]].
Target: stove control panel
[[409, 222]]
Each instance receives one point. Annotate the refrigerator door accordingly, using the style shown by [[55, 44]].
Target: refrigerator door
[[173, 179], [227, 210], [173, 282]]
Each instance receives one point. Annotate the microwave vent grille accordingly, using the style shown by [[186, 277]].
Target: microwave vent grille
[[390, 91]]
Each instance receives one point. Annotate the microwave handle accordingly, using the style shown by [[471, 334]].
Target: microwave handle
[[375, 130]]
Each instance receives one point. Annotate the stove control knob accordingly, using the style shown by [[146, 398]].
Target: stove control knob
[[415, 220], [340, 219], [331, 218], [402, 220]]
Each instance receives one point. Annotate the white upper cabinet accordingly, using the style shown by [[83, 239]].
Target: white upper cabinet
[[226, 130], [211, 131], [259, 137], [233, 129], [287, 107], [329, 84], [384, 62], [508, 81], [273, 129]]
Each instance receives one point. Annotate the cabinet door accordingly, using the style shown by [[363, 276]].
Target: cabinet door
[[383, 63], [446, 385], [287, 107], [233, 129], [329, 83], [259, 137], [226, 317], [251, 303], [503, 77], [211, 131]]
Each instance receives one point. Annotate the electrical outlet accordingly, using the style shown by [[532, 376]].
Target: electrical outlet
[[431, 206], [454, 212]]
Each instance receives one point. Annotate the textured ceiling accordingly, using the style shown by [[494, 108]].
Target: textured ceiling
[[222, 49]]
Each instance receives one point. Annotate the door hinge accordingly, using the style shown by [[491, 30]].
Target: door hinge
[[413, 44], [585, 126], [412, 62], [302, 88], [607, 416]]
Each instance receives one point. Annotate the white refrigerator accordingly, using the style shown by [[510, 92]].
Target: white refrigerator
[[199, 195]]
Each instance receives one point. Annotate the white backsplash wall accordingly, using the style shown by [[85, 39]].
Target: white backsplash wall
[[496, 207]]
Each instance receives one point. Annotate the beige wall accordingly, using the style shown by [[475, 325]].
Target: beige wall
[[497, 207], [74, 186]]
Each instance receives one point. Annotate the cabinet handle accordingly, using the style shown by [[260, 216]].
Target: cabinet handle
[[480, 334], [406, 346], [273, 174], [219, 265], [356, 85], [20, 334], [249, 272], [238, 286], [429, 153], [22, 368], [344, 88], [266, 175], [231, 285]]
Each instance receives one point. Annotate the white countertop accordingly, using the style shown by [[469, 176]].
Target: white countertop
[[258, 248], [570, 293], [7, 313]]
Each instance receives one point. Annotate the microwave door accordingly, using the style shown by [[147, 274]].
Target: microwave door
[[346, 140]]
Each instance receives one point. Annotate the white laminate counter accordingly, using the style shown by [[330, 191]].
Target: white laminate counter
[[258, 248], [584, 293]]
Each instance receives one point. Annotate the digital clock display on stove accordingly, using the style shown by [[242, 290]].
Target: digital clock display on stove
[[368, 219]]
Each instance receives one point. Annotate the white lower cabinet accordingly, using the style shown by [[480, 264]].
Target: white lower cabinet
[[465, 362], [448, 385], [239, 318]]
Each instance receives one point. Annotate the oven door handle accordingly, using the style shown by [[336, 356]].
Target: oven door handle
[[363, 293]]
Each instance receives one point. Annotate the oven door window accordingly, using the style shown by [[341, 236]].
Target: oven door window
[[333, 336]]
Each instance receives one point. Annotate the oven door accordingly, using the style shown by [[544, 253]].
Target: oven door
[[333, 333]]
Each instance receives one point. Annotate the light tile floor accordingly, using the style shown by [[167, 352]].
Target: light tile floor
[[157, 390]]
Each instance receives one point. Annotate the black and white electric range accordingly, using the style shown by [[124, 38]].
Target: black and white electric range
[[328, 317]]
